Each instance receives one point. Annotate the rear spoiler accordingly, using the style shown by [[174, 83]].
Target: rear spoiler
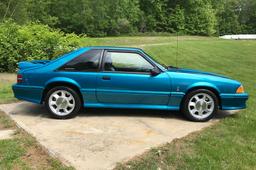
[[40, 61], [31, 64]]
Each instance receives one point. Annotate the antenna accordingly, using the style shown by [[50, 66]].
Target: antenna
[[177, 50]]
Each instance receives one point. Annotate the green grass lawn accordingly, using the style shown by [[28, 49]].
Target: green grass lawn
[[231, 143], [23, 151], [6, 80]]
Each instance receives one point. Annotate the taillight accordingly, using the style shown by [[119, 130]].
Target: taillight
[[19, 78]]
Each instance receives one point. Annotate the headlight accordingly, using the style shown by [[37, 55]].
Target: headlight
[[240, 89]]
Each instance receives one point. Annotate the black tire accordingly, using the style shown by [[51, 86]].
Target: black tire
[[77, 103], [185, 105]]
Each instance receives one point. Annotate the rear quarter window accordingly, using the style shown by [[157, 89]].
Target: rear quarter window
[[86, 62]]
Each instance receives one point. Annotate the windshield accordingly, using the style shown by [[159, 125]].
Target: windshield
[[160, 65]]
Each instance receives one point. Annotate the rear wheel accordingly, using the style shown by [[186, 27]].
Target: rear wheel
[[200, 105], [62, 102]]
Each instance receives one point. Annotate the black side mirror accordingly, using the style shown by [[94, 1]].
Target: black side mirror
[[155, 71]]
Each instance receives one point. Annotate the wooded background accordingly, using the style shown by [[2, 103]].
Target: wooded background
[[45, 29], [118, 17]]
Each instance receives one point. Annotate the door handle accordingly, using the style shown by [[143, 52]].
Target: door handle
[[106, 78]]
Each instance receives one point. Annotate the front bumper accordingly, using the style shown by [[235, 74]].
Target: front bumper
[[233, 101], [28, 93]]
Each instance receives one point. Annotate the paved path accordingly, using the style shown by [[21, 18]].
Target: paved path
[[98, 139], [6, 134]]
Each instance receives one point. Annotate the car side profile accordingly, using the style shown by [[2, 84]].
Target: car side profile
[[119, 77]]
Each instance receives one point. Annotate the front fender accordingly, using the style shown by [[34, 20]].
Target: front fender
[[202, 84]]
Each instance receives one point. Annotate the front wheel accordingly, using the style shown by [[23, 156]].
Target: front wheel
[[200, 105], [62, 102]]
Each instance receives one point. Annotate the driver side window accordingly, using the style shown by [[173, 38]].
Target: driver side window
[[126, 62]]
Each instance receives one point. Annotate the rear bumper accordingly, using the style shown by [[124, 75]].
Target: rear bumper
[[233, 101], [28, 93]]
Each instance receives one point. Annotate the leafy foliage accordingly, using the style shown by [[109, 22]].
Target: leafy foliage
[[30, 42], [43, 29], [200, 18], [115, 17]]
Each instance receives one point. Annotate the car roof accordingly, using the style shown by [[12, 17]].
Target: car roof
[[114, 48]]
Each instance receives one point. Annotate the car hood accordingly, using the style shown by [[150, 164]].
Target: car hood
[[191, 71]]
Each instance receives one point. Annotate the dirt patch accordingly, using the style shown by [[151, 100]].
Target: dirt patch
[[35, 156], [7, 77], [5, 122]]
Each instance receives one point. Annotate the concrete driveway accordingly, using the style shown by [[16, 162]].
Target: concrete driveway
[[98, 139]]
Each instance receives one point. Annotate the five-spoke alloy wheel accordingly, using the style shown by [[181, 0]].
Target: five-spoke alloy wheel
[[200, 105], [63, 102]]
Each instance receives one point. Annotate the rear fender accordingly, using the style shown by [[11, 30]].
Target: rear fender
[[62, 79]]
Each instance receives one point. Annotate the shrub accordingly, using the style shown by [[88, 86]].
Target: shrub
[[32, 42]]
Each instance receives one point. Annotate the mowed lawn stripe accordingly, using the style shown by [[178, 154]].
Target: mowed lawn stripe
[[231, 143]]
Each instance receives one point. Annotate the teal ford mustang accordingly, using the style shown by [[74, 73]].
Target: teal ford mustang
[[118, 77]]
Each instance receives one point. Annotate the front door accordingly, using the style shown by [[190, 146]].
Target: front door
[[126, 79]]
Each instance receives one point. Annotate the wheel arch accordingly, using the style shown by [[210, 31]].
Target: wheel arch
[[58, 82], [211, 88]]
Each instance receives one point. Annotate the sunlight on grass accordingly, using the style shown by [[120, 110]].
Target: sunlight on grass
[[229, 144]]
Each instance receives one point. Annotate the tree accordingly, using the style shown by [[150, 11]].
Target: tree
[[14, 9], [176, 20], [116, 17], [200, 18], [228, 18], [154, 15], [247, 16], [40, 11]]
